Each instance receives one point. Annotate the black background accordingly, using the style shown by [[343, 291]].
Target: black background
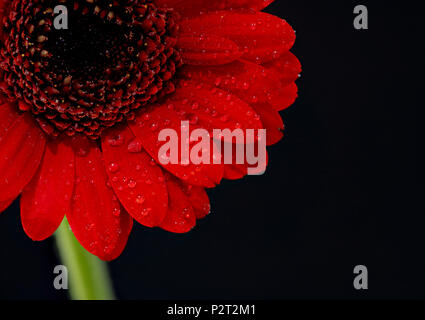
[[342, 188]]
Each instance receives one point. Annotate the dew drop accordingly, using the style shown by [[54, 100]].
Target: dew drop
[[186, 213], [134, 146], [146, 211], [132, 183], [113, 167], [154, 126], [116, 212], [140, 199]]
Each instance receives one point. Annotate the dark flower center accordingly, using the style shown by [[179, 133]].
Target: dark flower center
[[88, 49], [114, 58]]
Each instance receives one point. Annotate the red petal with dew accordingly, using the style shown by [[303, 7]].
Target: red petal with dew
[[287, 68], [147, 128], [194, 7], [250, 82], [214, 108], [235, 170], [22, 145], [260, 36], [207, 50], [97, 219], [198, 198], [180, 216], [135, 177], [271, 120], [47, 198], [287, 96]]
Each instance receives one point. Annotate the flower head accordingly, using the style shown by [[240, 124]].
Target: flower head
[[81, 109]]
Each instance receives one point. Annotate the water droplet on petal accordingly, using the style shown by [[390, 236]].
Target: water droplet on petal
[[140, 199], [146, 211], [134, 146], [132, 184], [113, 167], [186, 213], [116, 212]]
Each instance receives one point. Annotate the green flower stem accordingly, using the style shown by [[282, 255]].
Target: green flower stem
[[88, 275]]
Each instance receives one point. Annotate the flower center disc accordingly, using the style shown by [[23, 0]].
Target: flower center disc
[[114, 58]]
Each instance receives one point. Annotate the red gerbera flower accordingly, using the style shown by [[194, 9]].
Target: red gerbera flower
[[80, 109]]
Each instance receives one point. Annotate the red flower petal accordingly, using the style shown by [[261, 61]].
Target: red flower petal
[[96, 218], [260, 36], [47, 198], [271, 120], [250, 82], [5, 204], [191, 7], [147, 127], [287, 68], [136, 179], [237, 171], [287, 96], [8, 116], [207, 50], [215, 108], [198, 199], [180, 216], [22, 145]]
